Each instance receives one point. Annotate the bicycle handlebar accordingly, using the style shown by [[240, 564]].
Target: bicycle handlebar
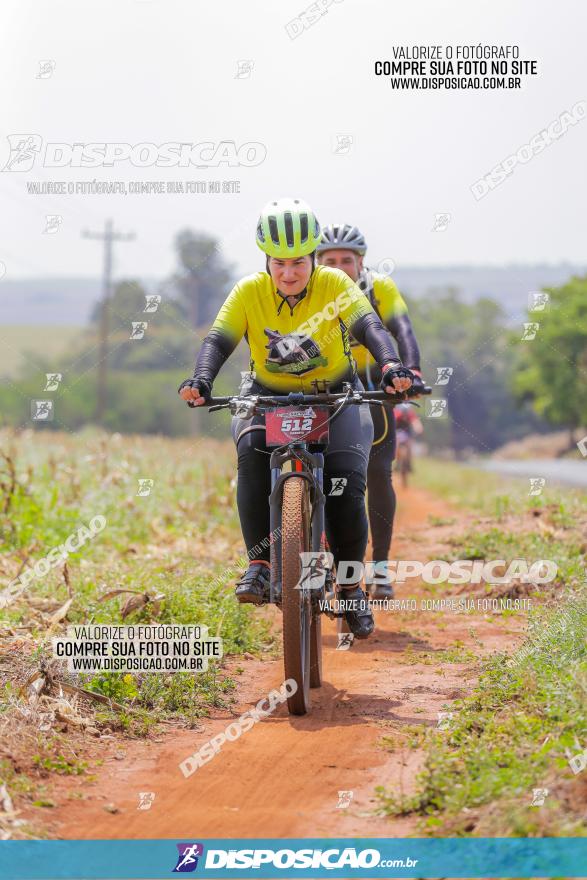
[[298, 398]]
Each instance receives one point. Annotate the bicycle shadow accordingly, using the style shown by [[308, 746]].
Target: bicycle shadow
[[395, 642], [340, 707]]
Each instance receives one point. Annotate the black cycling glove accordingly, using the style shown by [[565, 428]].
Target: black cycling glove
[[395, 371], [204, 386]]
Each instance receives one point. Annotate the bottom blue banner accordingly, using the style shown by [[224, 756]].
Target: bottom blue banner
[[311, 857]]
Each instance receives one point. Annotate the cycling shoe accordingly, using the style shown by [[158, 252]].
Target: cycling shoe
[[254, 585], [381, 591], [357, 612]]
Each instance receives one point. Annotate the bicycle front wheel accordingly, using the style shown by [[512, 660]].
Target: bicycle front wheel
[[296, 605]]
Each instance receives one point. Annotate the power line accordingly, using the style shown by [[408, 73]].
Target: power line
[[108, 237]]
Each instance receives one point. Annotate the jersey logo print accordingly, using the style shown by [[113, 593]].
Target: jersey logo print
[[292, 353]]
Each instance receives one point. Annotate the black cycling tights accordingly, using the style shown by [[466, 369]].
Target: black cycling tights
[[345, 459], [381, 494]]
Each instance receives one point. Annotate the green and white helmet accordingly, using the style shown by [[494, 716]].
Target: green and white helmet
[[288, 229]]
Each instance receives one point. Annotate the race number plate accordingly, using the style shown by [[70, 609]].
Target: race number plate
[[285, 424]]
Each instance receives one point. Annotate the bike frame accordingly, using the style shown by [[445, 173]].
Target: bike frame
[[306, 464], [311, 468]]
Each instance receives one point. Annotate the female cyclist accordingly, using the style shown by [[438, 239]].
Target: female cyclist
[[296, 318]]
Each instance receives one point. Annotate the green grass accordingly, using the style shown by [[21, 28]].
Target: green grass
[[528, 713], [494, 543], [493, 495], [29, 344], [178, 544], [510, 736], [456, 653], [60, 764]]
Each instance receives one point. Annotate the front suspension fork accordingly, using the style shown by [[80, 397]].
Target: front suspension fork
[[315, 476]]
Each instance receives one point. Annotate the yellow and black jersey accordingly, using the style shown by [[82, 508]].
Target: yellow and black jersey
[[384, 297], [291, 347]]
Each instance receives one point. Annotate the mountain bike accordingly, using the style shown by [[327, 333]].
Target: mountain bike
[[297, 428]]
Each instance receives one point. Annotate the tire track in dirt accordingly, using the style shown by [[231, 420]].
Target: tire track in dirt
[[282, 778]]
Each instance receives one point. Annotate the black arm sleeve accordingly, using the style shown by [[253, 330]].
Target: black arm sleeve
[[371, 333], [403, 332], [216, 349]]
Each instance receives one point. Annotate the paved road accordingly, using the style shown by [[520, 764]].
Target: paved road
[[570, 472]]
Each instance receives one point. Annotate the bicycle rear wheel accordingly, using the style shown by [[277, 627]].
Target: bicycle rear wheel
[[296, 605], [404, 464], [316, 649]]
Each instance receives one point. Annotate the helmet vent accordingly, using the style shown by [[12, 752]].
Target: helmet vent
[[289, 232], [304, 227], [287, 229], [273, 231], [342, 236]]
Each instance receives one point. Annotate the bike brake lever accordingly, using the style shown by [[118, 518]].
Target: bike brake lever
[[244, 408], [218, 406]]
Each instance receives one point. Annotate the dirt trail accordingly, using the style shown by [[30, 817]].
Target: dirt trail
[[282, 778]]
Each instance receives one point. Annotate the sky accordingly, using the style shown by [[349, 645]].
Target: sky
[[160, 71]]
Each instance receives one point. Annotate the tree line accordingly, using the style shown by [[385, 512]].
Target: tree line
[[499, 382]]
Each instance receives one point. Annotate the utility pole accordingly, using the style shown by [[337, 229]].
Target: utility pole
[[108, 236]]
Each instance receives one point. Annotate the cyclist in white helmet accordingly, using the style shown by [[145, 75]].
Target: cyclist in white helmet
[[343, 247]]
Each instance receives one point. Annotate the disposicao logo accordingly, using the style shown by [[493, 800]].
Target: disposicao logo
[[187, 860]]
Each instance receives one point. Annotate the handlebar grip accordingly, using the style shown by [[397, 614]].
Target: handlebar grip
[[416, 392]]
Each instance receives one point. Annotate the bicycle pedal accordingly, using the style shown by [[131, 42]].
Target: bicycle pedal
[[275, 596], [249, 600], [329, 609]]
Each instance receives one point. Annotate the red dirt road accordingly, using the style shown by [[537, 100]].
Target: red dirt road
[[282, 778]]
